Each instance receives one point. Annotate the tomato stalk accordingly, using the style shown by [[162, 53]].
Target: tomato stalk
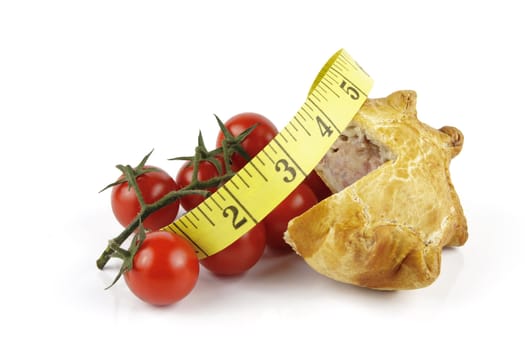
[[146, 210], [230, 145], [126, 255]]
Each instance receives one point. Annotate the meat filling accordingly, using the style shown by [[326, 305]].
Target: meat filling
[[351, 157]]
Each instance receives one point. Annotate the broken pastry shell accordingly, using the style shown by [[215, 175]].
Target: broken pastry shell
[[394, 207]]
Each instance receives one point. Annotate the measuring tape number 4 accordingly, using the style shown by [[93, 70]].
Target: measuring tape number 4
[[337, 94]]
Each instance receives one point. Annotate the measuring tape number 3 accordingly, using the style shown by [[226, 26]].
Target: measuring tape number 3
[[337, 94]]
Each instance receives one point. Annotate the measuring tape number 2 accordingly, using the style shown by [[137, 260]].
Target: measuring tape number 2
[[337, 94]]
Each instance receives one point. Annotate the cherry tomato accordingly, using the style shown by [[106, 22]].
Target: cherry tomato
[[153, 185], [239, 256], [206, 171], [165, 269], [318, 186], [255, 142], [276, 223]]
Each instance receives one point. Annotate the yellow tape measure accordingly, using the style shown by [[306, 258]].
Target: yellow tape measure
[[339, 90]]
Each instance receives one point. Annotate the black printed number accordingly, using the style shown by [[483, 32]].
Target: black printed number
[[236, 221], [350, 90], [326, 130], [282, 165]]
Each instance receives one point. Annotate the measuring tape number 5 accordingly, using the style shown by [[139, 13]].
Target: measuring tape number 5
[[337, 94]]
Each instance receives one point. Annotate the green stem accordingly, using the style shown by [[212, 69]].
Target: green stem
[[146, 210], [195, 163], [230, 145], [130, 175], [192, 189]]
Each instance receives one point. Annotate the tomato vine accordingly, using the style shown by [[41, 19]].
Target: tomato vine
[[130, 174]]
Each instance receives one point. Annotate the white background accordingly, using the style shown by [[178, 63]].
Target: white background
[[85, 85]]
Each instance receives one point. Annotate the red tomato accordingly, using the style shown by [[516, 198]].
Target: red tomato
[[318, 186], [300, 200], [206, 171], [239, 256], [165, 269], [153, 185], [255, 142]]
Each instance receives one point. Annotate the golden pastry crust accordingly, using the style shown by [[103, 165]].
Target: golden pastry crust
[[387, 229]]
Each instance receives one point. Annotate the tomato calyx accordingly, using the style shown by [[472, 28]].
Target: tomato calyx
[[127, 256], [233, 144], [203, 155], [208, 170], [130, 174]]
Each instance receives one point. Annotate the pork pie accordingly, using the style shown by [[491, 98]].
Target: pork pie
[[394, 206]]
